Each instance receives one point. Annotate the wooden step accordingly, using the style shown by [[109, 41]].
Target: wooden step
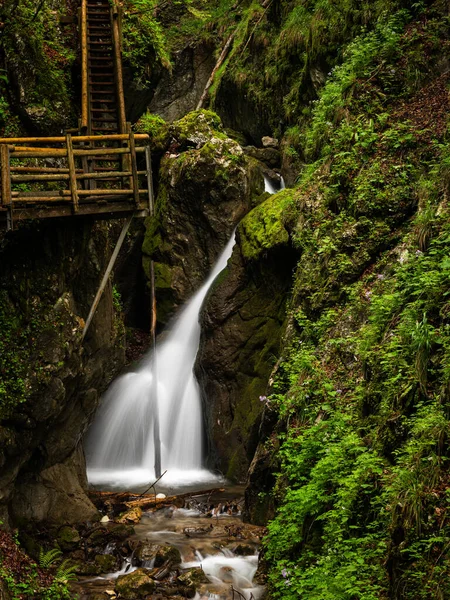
[[103, 110]]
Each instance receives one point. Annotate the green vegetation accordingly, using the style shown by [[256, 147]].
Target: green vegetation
[[361, 391], [25, 579], [38, 56]]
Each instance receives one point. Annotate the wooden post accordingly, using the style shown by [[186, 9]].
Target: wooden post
[[84, 69], [134, 180], [148, 166], [6, 198], [104, 281], [118, 73], [72, 173]]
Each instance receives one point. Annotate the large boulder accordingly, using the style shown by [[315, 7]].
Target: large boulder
[[135, 585], [242, 323], [206, 186]]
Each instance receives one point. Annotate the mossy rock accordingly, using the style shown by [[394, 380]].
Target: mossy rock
[[107, 563], [193, 577], [131, 516], [167, 554], [197, 127], [68, 538], [264, 227], [137, 584]]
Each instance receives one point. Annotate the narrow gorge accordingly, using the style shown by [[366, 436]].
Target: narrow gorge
[[260, 406]]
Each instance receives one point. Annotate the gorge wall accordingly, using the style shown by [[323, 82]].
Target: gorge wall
[[51, 385]]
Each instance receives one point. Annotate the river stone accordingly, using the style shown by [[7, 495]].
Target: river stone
[[269, 142], [134, 585], [157, 555], [193, 577], [131, 516], [270, 156], [106, 562]]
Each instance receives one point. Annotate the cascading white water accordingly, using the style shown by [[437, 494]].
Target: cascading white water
[[271, 186], [120, 446]]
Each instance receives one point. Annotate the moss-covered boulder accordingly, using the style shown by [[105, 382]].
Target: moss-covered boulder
[[242, 322], [156, 555], [135, 585], [68, 538], [206, 186]]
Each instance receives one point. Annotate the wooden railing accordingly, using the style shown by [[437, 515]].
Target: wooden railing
[[84, 124], [63, 176]]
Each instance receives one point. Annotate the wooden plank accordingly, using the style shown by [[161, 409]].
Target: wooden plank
[[100, 211], [59, 153], [84, 68], [79, 138], [41, 170], [118, 74], [81, 193], [134, 170], [6, 176], [106, 275], [56, 177], [148, 165], [72, 174]]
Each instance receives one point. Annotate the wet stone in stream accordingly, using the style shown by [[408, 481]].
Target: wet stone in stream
[[183, 553]]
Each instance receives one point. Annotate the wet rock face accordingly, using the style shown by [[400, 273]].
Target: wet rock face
[[49, 274], [179, 92], [171, 94], [205, 188], [242, 324]]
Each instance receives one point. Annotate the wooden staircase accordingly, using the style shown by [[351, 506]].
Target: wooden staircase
[[105, 170], [103, 109]]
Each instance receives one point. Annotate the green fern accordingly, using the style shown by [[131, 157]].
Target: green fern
[[47, 559], [66, 572]]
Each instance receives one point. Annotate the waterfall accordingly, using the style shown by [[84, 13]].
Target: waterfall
[[271, 186], [120, 444]]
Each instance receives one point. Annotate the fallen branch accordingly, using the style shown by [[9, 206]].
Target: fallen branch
[[209, 83], [121, 500], [153, 485]]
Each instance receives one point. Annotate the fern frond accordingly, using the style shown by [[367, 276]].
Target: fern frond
[[47, 559], [66, 571]]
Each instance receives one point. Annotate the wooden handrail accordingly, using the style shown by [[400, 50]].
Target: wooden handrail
[[78, 138], [84, 68], [118, 73]]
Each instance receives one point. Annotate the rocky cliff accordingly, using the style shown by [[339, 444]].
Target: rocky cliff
[[51, 383]]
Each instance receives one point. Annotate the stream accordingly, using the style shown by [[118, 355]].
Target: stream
[[209, 533]]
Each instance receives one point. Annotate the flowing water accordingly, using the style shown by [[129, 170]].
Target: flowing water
[[222, 546], [121, 454], [120, 447], [271, 186]]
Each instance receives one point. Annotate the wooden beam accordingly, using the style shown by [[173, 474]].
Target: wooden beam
[[72, 174], [6, 181], [105, 279], [84, 68], [118, 74], [134, 170], [78, 138], [148, 165], [92, 210]]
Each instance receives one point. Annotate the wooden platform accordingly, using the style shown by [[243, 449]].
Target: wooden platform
[[102, 175]]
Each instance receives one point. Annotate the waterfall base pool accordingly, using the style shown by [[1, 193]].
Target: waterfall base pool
[[175, 481]]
